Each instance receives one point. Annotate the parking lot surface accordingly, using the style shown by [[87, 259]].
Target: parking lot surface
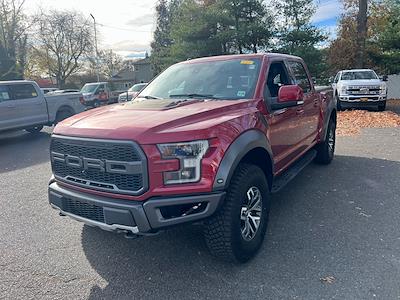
[[333, 234]]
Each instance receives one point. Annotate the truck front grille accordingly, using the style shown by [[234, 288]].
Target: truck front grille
[[85, 162], [84, 210]]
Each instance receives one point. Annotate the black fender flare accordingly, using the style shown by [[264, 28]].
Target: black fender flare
[[242, 145]]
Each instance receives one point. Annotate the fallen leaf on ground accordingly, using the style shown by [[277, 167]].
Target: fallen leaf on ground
[[351, 122], [328, 279]]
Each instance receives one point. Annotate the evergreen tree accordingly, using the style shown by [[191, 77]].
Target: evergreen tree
[[160, 47], [297, 36]]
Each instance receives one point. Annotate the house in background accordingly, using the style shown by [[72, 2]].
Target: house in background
[[135, 72]]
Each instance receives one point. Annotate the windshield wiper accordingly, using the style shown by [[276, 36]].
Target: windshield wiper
[[149, 97], [205, 96]]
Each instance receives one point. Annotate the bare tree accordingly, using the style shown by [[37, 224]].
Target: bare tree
[[13, 39], [110, 63], [65, 40]]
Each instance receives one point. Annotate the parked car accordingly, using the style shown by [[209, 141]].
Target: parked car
[[360, 88], [240, 127], [99, 93], [48, 90], [132, 92], [24, 106]]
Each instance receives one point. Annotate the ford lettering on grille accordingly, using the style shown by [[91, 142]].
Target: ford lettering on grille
[[105, 165], [108, 166]]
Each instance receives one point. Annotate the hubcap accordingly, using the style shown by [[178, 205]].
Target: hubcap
[[250, 214]]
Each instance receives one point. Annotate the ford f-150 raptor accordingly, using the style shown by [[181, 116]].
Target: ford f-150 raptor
[[207, 141]]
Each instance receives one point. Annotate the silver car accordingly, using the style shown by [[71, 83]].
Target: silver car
[[131, 93]]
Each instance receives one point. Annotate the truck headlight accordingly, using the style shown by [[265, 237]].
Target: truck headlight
[[190, 155], [383, 89], [344, 89]]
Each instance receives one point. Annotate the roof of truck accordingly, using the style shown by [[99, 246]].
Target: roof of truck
[[357, 70], [243, 56], [17, 81]]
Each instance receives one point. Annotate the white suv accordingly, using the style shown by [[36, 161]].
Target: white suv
[[360, 88]]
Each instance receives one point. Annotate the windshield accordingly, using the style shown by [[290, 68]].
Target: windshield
[[227, 79], [137, 87], [89, 88], [357, 75]]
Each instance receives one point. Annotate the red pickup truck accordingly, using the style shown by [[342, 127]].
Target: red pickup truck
[[207, 141]]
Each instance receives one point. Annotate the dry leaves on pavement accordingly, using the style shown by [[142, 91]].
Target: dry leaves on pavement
[[351, 122]]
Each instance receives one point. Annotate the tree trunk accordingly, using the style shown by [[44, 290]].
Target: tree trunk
[[361, 33]]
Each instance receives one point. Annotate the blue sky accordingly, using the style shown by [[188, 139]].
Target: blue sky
[[127, 26], [326, 17]]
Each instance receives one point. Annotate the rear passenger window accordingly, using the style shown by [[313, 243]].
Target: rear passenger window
[[300, 74], [23, 91], [4, 93]]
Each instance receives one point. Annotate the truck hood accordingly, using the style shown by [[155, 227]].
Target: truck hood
[[364, 82], [153, 121]]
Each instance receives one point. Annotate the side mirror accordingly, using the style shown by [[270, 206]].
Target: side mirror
[[385, 78], [289, 96], [330, 79]]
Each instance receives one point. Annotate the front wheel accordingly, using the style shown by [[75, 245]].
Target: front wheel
[[35, 129], [237, 230], [326, 149], [382, 106]]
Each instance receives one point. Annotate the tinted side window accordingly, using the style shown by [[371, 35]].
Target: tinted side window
[[23, 91], [4, 93], [277, 77], [300, 74]]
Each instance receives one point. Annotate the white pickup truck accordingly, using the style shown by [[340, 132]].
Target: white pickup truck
[[24, 106], [359, 88]]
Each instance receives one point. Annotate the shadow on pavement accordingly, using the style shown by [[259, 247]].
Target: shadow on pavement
[[20, 149], [328, 221]]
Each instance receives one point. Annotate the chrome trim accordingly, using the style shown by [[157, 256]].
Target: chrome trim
[[104, 226]]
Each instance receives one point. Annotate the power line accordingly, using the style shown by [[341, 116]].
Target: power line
[[124, 29]]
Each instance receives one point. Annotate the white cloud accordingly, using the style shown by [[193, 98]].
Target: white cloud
[[327, 11]]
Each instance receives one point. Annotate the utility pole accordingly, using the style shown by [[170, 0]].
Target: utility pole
[[361, 32], [97, 53]]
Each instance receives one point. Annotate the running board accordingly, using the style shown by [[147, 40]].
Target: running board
[[296, 168]]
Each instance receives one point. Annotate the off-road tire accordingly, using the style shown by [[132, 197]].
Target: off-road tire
[[326, 149], [34, 129], [338, 104], [223, 233]]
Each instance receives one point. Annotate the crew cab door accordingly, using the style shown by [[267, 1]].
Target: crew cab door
[[27, 106], [6, 105], [284, 124], [308, 112]]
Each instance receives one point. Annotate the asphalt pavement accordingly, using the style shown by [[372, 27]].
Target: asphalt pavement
[[333, 234]]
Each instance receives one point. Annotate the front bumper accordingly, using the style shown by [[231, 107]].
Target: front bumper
[[129, 216]]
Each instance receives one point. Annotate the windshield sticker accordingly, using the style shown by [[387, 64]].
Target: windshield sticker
[[241, 93], [247, 62], [252, 67]]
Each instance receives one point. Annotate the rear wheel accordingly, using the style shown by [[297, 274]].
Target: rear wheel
[[326, 149], [62, 115], [34, 129], [96, 103], [237, 230]]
